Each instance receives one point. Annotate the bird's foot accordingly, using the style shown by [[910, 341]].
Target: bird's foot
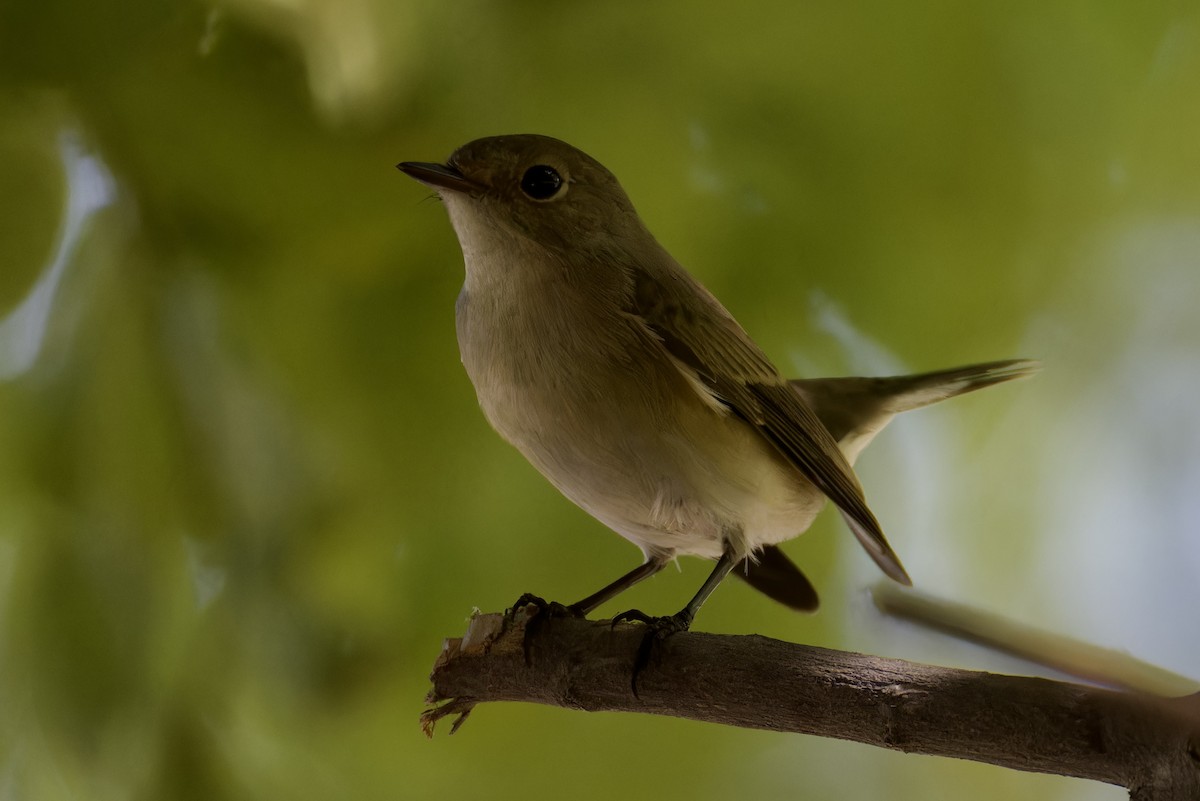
[[544, 608], [658, 629], [542, 613]]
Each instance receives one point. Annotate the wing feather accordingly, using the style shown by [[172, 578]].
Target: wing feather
[[700, 333]]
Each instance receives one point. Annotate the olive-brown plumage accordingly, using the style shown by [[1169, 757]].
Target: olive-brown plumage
[[635, 392]]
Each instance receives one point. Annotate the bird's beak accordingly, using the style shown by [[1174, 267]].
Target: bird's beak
[[439, 176]]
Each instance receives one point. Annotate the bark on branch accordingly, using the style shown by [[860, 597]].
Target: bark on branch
[[1149, 745]]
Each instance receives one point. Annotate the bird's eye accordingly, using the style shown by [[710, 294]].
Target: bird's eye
[[541, 182]]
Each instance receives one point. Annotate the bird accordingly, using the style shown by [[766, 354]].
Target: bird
[[636, 393]]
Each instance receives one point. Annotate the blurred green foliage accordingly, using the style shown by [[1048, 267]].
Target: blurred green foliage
[[245, 490]]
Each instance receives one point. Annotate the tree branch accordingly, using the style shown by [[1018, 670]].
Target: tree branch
[[1093, 664], [1149, 745]]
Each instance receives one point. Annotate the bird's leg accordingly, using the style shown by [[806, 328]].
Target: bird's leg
[[682, 620], [548, 610], [659, 628], [582, 608], [652, 565]]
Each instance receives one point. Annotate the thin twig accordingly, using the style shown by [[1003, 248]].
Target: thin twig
[[1066, 655]]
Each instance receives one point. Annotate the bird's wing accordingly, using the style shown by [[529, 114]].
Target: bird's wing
[[703, 337]]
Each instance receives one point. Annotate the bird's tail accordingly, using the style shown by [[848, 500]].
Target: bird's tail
[[855, 409], [908, 392]]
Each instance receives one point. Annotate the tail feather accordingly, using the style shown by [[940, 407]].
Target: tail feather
[[913, 392], [855, 410], [853, 407], [773, 574]]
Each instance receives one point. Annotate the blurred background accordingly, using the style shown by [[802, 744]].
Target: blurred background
[[245, 490]]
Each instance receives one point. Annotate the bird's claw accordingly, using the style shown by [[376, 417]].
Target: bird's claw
[[546, 609], [657, 630], [543, 612], [635, 616]]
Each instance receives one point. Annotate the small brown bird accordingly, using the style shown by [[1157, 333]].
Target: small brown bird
[[634, 391]]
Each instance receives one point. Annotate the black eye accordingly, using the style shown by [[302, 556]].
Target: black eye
[[541, 182]]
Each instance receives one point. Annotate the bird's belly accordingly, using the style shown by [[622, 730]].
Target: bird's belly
[[613, 424], [672, 475]]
